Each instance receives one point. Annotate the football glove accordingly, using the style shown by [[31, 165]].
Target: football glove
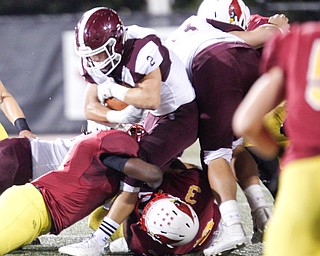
[[128, 115], [111, 89]]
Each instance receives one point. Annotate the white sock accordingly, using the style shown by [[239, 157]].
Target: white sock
[[230, 213], [255, 197], [105, 230]]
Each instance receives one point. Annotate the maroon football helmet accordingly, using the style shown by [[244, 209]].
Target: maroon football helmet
[[100, 30]]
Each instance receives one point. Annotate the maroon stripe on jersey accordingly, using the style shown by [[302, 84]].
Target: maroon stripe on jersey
[[132, 48]]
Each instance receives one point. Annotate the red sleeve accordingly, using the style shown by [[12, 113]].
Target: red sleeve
[[257, 20], [271, 55]]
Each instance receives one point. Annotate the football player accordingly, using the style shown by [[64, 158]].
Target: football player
[[112, 55], [14, 113], [189, 183], [222, 67], [290, 66], [90, 175], [259, 29]]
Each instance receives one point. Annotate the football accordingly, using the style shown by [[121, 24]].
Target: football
[[115, 104]]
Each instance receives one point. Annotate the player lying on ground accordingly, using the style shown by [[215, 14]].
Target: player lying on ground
[[189, 185], [62, 197]]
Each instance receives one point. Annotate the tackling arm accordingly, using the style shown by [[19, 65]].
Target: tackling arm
[[257, 37], [135, 168]]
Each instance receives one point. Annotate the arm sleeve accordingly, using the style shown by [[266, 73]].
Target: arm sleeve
[[115, 162]]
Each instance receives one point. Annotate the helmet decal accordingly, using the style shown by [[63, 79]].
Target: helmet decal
[[169, 220], [234, 11], [229, 11]]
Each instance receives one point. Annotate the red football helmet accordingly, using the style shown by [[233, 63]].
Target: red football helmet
[[100, 30], [170, 221], [229, 11]]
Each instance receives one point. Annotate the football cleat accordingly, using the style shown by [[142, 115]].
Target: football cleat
[[228, 238], [88, 247], [260, 218]]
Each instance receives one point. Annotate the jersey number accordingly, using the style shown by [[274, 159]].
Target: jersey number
[[151, 60], [312, 94]]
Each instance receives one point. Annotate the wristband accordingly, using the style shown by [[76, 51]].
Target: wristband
[[21, 124], [113, 116], [118, 91]]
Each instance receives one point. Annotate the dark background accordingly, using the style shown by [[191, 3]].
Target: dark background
[[296, 10]]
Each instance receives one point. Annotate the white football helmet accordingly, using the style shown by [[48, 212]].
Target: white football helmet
[[229, 11], [170, 221]]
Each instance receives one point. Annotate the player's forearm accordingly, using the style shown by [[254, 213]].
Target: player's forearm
[[143, 98], [11, 108], [266, 145], [96, 112], [259, 36], [135, 168], [149, 173]]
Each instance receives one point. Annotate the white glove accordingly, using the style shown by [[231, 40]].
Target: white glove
[[104, 90], [129, 115], [111, 89]]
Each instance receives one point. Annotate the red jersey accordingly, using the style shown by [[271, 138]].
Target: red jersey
[[297, 53], [190, 186], [84, 183]]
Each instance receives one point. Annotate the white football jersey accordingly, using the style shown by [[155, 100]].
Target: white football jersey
[[147, 53], [194, 35]]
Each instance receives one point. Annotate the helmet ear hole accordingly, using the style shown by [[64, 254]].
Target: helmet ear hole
[[170, 221]]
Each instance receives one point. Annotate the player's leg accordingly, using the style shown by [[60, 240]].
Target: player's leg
[[248, 178], [294, 226], [96, 218], [170, 136], [214, 81], [23, 217]]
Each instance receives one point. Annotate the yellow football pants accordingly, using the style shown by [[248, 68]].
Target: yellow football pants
[[3, 133], [23, 217], [294, 227]]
